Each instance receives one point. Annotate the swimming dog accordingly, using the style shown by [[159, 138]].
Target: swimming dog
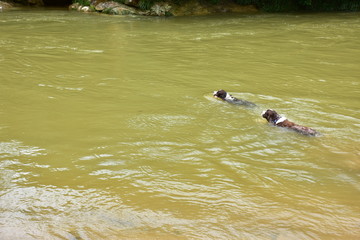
[[223, 95], [275, 119]]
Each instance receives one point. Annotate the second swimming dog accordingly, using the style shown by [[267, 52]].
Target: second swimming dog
[[223, 95]]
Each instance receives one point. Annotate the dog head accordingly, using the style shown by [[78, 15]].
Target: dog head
[[271, 115], [220, 94]]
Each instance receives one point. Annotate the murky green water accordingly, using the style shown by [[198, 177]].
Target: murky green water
[[108, 129]]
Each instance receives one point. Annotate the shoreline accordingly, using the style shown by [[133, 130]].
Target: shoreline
[[165, 8], [183, 8]]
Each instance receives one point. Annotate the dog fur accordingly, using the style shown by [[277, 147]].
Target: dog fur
[[223, 95], [275, 119]]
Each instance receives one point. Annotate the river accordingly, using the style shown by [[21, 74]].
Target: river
[[108, 127]]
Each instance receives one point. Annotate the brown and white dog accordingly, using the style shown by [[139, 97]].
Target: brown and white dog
[[274, 118], [223, 95]]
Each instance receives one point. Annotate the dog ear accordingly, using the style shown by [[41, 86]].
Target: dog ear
[[270, 112]]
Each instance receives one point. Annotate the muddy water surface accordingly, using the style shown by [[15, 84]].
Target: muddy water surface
[[108, 129]]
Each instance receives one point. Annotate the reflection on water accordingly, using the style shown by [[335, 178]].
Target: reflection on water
[[108, 128]]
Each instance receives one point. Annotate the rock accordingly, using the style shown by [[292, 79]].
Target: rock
[[124, 10], [106, 5], [74, 6], [116, 8], [160, 9], [5, 5], [80, 8], [85, 9]]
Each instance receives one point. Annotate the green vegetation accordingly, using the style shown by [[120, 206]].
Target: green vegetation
[[267, 5], [82, 2], [145, 4]]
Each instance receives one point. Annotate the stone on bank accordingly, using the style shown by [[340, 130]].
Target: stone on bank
[[115, 8], [5, 5]]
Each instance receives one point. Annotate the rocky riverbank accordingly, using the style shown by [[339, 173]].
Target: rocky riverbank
[[133, 7], [191, 7]]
